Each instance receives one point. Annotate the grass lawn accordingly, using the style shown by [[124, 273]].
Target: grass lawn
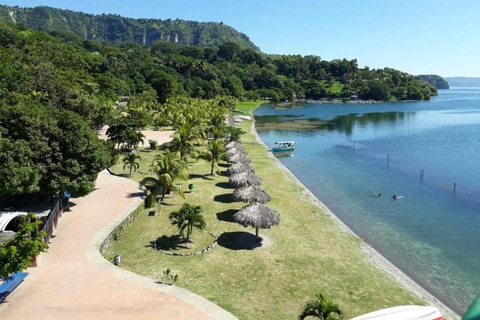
[[336, 86], [309, 255]]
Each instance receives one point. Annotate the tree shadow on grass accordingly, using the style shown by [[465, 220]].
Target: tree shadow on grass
[[224, 165], [206, 176], [224, 173], [174, 242], [224, 198], [225, 185], [226, 215], [167, 204], [239, 240], [196, 176]]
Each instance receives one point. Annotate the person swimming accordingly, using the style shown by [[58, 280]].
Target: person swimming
[[377, 194], [395, 197]]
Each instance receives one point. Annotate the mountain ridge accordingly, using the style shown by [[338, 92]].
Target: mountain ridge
[[114, 29]]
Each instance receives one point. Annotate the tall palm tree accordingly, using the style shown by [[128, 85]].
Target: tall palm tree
[[185, 139], [169, 167], [187, 218], [130, 160], [215, 152], [321, 308]]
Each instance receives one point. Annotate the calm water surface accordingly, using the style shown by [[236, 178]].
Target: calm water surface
[[432, 234]]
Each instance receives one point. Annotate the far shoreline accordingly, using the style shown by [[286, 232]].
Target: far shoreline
[[343, 101], [373, 255]]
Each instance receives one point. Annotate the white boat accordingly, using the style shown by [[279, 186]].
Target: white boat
[[403, 313], [284, 146]]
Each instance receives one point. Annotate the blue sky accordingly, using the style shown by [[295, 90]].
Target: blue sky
[[416, 36]]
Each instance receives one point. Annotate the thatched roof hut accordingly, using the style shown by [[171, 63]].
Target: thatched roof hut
[[240, 167], [241, 179], [237, 150], [236, 158], [257, 215], [233, 144], [251, 194]]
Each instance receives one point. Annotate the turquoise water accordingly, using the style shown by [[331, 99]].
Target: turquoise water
[[432, 234]]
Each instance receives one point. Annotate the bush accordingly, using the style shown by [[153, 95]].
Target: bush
[[153, 144], [169, 277]]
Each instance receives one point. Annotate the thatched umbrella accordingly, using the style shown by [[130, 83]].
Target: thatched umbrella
[[236, 158], [240, 167], [251, 194], [237, 150], [233, 144], [257, 215], [241, 179]]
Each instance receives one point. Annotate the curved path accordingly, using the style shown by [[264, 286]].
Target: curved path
[[73, 281]]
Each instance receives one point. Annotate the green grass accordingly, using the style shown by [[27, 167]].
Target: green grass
[[310, 253], [336, 86], [145, 169]]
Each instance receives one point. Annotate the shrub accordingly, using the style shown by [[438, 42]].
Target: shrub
[[153, 144]]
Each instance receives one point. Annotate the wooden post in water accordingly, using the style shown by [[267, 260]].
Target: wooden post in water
[[388, 158], [422, 174], [454, 187]]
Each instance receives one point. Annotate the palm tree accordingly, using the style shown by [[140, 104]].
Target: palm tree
[[216, 126], [168, 167], [215, 152], [187, 218], [185, 139], [321, 308], [130, 160]]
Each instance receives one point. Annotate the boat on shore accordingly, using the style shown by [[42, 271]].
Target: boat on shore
[[283, 146], [404, 313]]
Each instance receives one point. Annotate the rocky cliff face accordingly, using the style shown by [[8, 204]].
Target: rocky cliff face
[[116, 29]]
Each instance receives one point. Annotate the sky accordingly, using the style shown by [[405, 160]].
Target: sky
[[417, 36]]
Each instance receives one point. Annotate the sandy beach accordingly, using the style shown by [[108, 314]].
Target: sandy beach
[[375, 257], [160, 136]]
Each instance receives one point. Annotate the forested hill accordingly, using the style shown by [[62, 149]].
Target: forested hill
[[435, 80], [115, 29]]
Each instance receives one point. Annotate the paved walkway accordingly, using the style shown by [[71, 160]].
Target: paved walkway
[[74, 282]]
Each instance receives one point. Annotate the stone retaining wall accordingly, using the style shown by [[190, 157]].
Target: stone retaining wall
[[117, 232]]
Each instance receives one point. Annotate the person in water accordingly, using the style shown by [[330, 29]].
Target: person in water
[[394, 196], [377, 194]]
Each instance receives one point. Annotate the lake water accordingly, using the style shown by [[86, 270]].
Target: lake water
[[432, 234]]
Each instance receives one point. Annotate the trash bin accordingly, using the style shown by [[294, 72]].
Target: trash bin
[[66, 197], [190, 187]]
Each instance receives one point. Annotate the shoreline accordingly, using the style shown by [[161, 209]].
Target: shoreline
[[373, 255]]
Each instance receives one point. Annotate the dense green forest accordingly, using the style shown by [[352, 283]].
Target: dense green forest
[[435, 80], [116, 29]]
